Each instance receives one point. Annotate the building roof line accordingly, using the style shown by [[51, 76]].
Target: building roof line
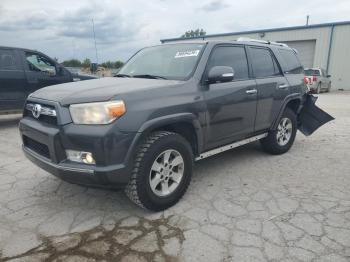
[[261, 31]]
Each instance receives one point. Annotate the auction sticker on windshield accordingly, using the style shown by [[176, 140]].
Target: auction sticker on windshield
[[187, 53]]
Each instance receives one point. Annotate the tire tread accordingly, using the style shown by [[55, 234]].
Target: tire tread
[[131, 188]]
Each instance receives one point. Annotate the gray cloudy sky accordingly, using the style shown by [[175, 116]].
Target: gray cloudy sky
[[63, 28]]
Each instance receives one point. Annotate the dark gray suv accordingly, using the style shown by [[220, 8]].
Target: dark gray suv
[[169, 106]]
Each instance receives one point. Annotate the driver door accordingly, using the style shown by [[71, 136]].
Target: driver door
[[40, 71], [231, 106]]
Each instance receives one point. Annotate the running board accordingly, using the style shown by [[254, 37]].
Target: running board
[[230, 146]]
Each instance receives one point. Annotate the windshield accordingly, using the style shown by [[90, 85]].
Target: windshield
[[176, 62], [312, 72]]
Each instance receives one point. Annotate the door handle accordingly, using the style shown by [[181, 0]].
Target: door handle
[[251, 91], [282, 86]]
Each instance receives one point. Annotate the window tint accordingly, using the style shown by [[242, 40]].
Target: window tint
[[7, 60], [40, 63], [264, 65], [312, 72], [233, 56], [293, 65]]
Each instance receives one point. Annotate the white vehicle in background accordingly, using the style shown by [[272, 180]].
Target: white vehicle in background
[[317, 80]]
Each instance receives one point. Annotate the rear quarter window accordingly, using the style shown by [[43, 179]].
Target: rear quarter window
[[312, 72], [292, 63]]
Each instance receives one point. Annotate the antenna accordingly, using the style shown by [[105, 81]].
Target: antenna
[[307, 20], [93, 30]]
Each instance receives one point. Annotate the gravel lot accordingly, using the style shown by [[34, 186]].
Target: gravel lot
[[242, 205]]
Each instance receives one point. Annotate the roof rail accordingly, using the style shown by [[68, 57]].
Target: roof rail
[[247, 39]]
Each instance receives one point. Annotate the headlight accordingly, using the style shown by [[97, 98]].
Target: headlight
[[99, 113]]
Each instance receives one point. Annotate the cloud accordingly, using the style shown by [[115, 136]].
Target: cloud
[[37, 20], [108, 27], [215, 5], [63, 29], [109, 24]]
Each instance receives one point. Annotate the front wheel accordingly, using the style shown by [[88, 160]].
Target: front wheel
[[281, 140], [162, 171]]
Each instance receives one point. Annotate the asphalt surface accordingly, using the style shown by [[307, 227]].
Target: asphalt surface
[[242, 205]]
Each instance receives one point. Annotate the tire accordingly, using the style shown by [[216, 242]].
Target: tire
[[318, 89], [276, 146], [151, 167], [329, 87]]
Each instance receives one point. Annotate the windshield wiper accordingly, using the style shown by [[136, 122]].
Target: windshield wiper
[[150, 76], [122, 75]]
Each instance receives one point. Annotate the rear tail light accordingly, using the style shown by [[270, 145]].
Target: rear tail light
[[306, 80], [314, 79]]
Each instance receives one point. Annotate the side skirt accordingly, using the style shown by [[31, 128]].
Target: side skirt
[[230, 146]]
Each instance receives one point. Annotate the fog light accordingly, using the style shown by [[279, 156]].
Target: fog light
[[80, 156]]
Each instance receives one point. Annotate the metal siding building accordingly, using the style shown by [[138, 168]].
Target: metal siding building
[[320, 45]]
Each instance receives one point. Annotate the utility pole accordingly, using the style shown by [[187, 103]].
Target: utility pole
[[307, 20], [93, 30]]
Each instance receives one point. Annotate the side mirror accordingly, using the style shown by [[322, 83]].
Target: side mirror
[[328, 76], [220, 74]]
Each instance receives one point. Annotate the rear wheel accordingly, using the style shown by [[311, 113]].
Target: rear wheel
[[162, 171], [329, 87], [281, 140], [318, 89]]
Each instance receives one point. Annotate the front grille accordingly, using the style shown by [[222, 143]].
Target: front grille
[[49, 119], [36, 146]]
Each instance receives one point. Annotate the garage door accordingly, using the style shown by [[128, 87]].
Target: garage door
[[306, 51]]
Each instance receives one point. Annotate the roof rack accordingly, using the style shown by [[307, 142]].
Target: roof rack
[[247, 39]]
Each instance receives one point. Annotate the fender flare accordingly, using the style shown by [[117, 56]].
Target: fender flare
[[290, 97], [155, 123]]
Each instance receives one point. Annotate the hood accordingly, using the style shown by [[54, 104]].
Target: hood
[[97, 90], [80, 77]]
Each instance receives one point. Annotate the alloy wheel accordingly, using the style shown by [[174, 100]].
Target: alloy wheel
[[166, 172], [284, 131]]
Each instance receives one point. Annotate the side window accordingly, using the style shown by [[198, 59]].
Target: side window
[[8, 60], [233, 56], [264, 65], [40, 63], [293, 65]]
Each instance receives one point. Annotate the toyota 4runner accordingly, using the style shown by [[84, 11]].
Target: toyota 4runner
[[170, 105]]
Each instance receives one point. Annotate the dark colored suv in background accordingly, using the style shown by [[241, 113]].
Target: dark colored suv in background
[[23, 71], [168, 106]]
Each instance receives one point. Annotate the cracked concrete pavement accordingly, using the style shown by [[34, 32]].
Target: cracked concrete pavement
[[242, 205]]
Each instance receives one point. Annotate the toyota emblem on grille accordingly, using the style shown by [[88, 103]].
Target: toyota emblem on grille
[[36, 110]]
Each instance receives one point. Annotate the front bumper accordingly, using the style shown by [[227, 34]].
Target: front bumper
[[110, 148], [107, 177]]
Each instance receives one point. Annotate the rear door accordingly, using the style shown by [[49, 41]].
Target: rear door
[[272, 87], [12, 80], [231, 105]]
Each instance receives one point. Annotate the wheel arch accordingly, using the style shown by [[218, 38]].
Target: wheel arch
[[292, 101], [185, 124]]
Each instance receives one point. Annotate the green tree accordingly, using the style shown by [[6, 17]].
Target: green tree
[[111, 64], [118, 64], [72, 63], [194, 33], [86, 63]]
